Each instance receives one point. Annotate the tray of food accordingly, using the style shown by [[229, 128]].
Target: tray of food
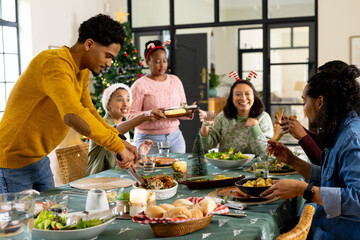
[[180, 111], [162, 161], [212, 181]]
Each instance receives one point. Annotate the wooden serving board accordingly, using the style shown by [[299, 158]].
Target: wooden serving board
[[104, 183]]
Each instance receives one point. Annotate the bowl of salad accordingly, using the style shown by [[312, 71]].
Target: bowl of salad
[[228, 160], [50, 226]]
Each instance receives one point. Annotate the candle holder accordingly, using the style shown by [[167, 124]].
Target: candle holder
[[179, 170]]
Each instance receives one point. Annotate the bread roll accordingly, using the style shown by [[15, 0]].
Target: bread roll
[[154, 211], [183, 203], [177, 212], [166, 206], [196, 213], [207, 205]]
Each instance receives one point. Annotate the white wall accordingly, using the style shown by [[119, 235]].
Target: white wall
[[53, 22], [338, 20]]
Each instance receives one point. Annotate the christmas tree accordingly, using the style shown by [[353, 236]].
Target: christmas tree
[[198, 164], [126, 68]]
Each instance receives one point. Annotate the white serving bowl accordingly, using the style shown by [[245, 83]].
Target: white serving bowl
[[228, 164], [79, 234], [163, 193]]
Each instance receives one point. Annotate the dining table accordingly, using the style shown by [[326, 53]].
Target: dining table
[[263, 220]]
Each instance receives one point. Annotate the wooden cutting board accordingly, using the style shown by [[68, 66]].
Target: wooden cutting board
[[104, 183]]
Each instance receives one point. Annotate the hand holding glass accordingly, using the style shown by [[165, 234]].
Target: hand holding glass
[[209, 117]]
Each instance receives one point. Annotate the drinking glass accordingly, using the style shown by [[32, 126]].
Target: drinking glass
[[164, 148], [261, 169], [16, 216], [209, 118], [58, 203], [149, 163]]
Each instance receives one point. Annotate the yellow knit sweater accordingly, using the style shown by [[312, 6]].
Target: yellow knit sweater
[[33, 122]]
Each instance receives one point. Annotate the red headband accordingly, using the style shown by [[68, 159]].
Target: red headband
[[151, 49]]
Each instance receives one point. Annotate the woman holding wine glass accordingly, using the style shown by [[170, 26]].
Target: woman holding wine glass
[[242, 125]]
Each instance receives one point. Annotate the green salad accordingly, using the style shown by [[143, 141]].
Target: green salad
[[230, 155], [48, 221]]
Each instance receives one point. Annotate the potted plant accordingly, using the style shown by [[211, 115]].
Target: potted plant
[[214, 81]]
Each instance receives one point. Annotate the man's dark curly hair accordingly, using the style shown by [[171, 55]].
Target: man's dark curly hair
[[341, 95], [102, 29], [230, 111]]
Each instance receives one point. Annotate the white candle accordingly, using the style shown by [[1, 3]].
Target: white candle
[[138, 196], [138, 201], [180, 166]]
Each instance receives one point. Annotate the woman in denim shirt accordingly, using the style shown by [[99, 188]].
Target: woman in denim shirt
[[332, 104]]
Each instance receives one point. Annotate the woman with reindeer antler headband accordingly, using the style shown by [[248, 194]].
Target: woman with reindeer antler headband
[[158, 90], [243, 124]]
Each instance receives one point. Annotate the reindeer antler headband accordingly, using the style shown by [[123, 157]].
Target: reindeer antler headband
[[152, 47]]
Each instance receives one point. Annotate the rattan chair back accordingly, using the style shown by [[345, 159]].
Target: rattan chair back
[[72, 161], [301, 230]]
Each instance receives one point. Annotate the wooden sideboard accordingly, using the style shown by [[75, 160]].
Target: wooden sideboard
[[217, 104]]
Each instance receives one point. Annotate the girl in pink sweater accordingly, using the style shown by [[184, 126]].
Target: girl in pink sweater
[[158, 90]]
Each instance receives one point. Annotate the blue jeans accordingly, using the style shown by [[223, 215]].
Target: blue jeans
[[36, 176], [176, 139]]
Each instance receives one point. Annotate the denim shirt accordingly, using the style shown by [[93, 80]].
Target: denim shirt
[[339, 181]]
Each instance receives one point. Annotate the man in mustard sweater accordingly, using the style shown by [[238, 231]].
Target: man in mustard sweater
[[51, 96]]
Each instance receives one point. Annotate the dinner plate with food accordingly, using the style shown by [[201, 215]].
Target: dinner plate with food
[[161, 161], [212, 181], [163, 186]]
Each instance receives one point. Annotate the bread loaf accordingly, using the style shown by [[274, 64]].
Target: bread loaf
[[177, 212], [183, 203], [154, 211], [166, 206], [196, 213]]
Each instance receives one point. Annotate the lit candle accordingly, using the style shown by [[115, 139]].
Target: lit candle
[[151, 198], [138, 201], [180, 166]]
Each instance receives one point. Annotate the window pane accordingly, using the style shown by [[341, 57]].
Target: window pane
[[301, 36], [233, 10], [280, 37], [10, 41], [2, 96], [147, 13], [252, 62], [8, 12], [289, 55], [251, 38], [287, 83], [9, 87], [286, 8], [190, 11], [11, 67]]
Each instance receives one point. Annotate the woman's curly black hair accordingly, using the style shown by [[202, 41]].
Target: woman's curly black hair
[[230, 111], [341, 95], [102, 29], [156, 43]]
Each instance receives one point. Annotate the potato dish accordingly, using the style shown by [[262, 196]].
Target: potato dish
[[260, 182]]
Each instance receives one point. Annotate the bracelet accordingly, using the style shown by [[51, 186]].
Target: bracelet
[[122, 136], [147, 113]]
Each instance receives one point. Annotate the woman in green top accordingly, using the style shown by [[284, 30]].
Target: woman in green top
[[116, 101], [242, 125]]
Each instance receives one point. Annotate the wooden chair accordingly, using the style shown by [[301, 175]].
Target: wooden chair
[[301, 230], [72, 161]]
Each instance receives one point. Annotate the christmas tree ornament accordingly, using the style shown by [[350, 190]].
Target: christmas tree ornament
[[120, 16], [135, 50], [140, 63]]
